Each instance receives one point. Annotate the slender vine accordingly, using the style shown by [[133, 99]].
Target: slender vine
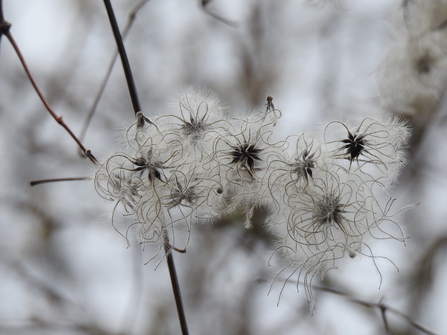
[[136, 106], [123, 55]]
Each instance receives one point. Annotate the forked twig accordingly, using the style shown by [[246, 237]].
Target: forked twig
[[381, 306]]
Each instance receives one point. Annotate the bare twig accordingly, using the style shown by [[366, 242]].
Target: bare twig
[[122, 51], [204, 5], [44, 101], [2, 18], [53, 180], [175, 283], [380, 305], [106, 78], [4, 25], [136, 105]]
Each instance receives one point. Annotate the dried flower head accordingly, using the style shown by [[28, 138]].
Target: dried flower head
[[376, 147], [332, 219], [244, 156]]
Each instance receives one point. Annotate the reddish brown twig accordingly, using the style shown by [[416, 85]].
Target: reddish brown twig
[[44, 101]]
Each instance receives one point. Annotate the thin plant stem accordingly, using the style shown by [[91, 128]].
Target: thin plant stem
[[130, 21], [381, 306], [2, 18], [175, 282], [55, 180], [122, 51], [4, 25], [204, 5], [136, 106], [45, 102]]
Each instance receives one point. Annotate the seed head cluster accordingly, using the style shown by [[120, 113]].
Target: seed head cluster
[[322, 191]]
